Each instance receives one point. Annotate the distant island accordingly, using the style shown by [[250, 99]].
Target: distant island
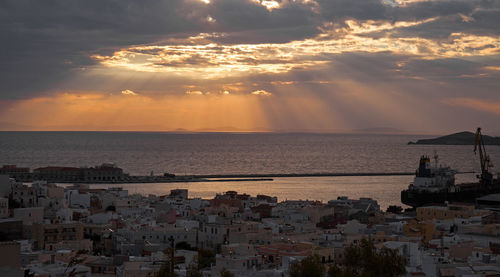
[[461, 138], [379, 130]]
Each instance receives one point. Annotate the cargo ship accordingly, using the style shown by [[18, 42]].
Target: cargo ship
[[434, 184]]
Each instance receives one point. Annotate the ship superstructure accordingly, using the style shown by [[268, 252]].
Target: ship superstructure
[[433, 178]]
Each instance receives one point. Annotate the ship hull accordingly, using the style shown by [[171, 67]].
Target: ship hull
[[415, 198]]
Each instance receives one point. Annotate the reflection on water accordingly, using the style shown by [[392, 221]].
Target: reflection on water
[[385, 189], [141, 153]]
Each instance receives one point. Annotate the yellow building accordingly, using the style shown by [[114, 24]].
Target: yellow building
[[450, 211], [426, 230]]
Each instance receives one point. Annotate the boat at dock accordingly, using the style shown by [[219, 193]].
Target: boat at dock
[[435, 184]]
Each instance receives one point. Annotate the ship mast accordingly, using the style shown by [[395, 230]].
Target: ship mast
[[486, 177]]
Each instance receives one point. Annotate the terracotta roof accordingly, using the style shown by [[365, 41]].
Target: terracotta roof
[[57, 168]]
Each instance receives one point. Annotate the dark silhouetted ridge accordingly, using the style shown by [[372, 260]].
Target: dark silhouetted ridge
[[461, 138]]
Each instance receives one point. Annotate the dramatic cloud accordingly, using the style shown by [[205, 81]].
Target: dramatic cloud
[[128, 92], [330, 64], [262, 93], [194, 92]]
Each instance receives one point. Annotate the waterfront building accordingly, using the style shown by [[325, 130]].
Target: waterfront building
[[100, 173], [58, 174], [18, 173]]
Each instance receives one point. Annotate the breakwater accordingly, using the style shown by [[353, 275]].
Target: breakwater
[[171, 178]]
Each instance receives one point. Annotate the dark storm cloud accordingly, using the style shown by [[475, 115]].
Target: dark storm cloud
[[480, 22], [45, 42], [338, 10], [428, 9], [244, 15]]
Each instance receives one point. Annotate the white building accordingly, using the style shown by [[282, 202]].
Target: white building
[[77, 199]]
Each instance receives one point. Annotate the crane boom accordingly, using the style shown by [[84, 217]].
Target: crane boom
[[478, 144], [484, 159]]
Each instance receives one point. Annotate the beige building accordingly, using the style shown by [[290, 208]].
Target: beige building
[[315, 213], [45, 234]]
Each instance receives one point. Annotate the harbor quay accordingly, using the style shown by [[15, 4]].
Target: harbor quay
[[77, 230]]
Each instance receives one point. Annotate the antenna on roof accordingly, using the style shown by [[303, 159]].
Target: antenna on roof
[[436, 158]]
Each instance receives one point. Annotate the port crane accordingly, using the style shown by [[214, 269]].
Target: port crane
[[486, 177]]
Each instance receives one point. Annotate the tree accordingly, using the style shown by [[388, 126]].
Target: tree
[[184, 245], [310, 266], [79, 258], [225, 273], [394, 209], [365, 260], [193, 270], [165, 270], [205, 258]]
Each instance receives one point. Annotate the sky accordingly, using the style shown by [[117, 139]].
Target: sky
[[422, 66]]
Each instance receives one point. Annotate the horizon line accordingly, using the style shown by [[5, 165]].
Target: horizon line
[[358, 132]]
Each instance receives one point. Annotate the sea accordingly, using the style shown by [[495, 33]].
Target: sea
[[146, 153]]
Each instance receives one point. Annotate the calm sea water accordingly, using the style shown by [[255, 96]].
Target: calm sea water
[[141, 153]]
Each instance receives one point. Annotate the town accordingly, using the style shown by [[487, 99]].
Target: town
[[75, 230]]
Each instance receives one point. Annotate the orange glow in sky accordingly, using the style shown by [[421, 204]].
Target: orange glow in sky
[[129, 112], [261, 65]]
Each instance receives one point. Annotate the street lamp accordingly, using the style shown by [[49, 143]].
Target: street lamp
[[172, 250]]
